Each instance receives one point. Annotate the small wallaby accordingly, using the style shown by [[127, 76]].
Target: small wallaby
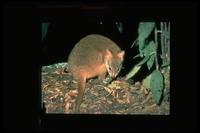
[[94, 55]]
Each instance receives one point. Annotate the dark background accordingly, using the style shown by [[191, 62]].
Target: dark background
[[63, 35], [24, 54], [79, 20], [68, 23]]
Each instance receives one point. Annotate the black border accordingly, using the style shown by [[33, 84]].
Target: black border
[[21, 37]]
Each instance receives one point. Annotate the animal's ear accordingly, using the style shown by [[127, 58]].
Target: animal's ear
[[109, 54], [121, 54]]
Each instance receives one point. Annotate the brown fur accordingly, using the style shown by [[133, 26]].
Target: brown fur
[[94, 55]]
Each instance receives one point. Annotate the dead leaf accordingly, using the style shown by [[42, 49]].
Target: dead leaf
[[67, 107], [57, 89], [121, 101], [97, 113], [128, 100], [144, 89], [56, 72], [84, 105], [44, 73], [150, 107], [44, 86], [67, 97], [73, 93], [63, 71], [147, 99], [109, 102], [107, 89], [102, 98]]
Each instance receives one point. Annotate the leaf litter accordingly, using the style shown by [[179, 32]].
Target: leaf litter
[[59, 92]]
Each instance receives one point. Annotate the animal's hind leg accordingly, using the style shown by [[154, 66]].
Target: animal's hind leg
[[81, 88]]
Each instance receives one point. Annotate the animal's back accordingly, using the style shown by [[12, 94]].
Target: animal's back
[[88, 53]]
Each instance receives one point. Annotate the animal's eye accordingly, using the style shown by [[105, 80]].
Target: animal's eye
[[118, 69], [109, 68]]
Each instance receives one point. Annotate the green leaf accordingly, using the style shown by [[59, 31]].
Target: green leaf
[[156, 84], [145, 29], [150, 62], [141, 43], [165, 64], [166, 34], [135, 42], [143, 61], [45, 27], [136, 56], [146, 82], [132, 72], [150, 48], [53, 67]]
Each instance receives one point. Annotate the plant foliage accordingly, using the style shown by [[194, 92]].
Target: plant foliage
[[149, 54]]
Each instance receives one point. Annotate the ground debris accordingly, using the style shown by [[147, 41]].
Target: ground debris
[[59, 92]]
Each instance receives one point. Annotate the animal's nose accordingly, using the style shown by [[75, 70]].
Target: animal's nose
[[112, 75]]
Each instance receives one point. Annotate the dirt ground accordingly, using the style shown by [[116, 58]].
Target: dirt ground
[[59, 91]]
